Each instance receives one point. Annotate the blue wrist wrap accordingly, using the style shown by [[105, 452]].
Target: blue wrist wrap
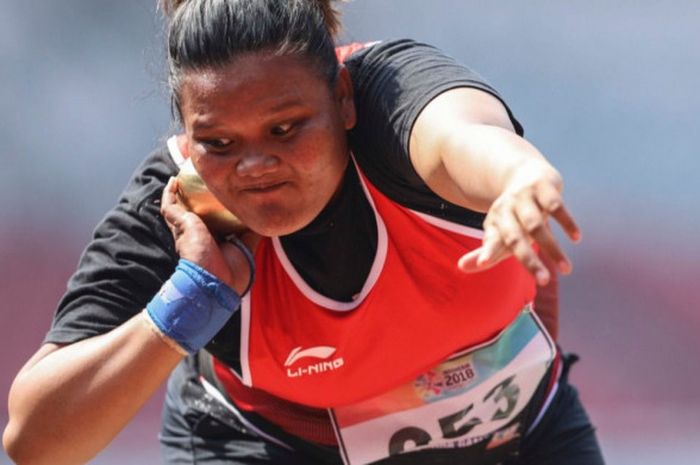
[[192, 306]]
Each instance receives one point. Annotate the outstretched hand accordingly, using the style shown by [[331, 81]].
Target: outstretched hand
[[194, 242], [518, 218]]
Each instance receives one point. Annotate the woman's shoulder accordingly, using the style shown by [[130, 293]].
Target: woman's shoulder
[[150, 177], [129, 256]]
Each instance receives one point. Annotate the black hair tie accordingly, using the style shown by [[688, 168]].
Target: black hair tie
[[233, 239]]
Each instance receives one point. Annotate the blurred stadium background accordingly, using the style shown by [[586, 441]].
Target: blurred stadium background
[[608, 90]]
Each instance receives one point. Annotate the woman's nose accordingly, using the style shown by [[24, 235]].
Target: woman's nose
[[256, 164]]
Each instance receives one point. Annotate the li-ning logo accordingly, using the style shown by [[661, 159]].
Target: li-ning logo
[[321, 352]]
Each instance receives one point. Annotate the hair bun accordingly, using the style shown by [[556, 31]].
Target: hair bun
[[170, 6], [331, 15]]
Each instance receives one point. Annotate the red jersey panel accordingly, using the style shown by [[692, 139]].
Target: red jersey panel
[[415, 309]]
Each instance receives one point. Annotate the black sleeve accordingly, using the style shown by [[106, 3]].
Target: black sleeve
[[131, 254], [393, 82]]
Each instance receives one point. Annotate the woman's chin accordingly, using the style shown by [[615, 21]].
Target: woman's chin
[[274, 227]]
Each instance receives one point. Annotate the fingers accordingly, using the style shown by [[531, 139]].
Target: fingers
[[194, 242], [192, 238], [467, 262], [172, 209], [497, 249], [517, 220], [533, 221], [489, 254], [567, 222], [548, 197], [493, 249], [168, 204], [518, 241], [170, 193]]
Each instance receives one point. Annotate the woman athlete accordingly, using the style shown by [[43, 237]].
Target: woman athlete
[[392, 205]]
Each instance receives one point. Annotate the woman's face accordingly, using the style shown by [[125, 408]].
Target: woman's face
[[267, 135]]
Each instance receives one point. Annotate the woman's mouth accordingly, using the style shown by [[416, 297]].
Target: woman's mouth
[[264, 188]]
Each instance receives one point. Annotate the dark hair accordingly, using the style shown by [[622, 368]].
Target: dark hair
[[205, 34]]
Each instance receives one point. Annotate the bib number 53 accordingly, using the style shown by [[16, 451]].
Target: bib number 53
[[500, 402]]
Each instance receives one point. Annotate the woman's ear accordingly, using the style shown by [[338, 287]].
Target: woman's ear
[[344, 97]]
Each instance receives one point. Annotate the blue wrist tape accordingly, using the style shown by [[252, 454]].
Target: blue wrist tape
[[192, 306]]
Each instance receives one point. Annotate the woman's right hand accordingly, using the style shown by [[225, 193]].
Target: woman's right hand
[[194, 242]]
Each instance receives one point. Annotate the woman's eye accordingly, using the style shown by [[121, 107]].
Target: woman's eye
[[216, 144], [282, 129]]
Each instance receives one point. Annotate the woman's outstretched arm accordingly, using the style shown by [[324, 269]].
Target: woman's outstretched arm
[[464, 147]]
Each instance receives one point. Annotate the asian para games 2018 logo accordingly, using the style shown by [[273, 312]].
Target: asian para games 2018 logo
[[446, 380]]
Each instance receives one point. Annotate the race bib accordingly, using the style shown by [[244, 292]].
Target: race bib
[[473, 401]]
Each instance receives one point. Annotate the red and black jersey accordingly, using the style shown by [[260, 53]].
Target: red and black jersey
[[415, 309]]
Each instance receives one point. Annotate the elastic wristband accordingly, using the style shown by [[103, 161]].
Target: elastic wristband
[[156, 330], [234, 240], [192, 306]]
